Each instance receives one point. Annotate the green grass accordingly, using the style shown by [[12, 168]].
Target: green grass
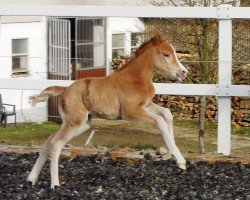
[[33, 133], [143, 146], [27, 133], [194, 123], [210, 127], [245, 131]]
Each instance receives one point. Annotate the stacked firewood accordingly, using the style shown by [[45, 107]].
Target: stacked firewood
[[118, 62], [241, 111], [188, 106]]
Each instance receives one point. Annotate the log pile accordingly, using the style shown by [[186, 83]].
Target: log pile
[[118, 62], [241, 111], [188, 106]]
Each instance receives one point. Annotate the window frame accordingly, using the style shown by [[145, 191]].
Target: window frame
[[85, 43], [121, 47], [20, 71], [133, 48]]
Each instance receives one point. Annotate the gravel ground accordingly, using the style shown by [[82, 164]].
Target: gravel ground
[[91, 177]]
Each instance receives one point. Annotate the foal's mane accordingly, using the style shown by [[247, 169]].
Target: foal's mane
[[155, 40]]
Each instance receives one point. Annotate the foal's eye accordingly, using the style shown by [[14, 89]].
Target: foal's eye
[[166, 55]]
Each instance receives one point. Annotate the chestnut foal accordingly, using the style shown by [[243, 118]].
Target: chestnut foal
[[125, 94]]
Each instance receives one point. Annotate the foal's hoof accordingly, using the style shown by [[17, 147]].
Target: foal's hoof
[[182, 166], [31, 180], [55, 187]]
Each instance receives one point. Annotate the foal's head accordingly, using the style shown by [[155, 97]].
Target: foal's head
[[166, 61]]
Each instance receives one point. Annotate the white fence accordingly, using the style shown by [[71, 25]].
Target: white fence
[[223, 90]]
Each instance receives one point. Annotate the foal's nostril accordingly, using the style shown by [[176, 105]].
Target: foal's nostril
[[184, 72]]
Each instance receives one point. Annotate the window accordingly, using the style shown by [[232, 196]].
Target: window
[[136, 40], [90, 43], [118, 46], [19, 56]]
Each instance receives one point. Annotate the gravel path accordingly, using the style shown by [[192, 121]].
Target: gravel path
[[91, 177]]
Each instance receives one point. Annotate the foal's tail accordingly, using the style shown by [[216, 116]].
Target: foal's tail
[[46, 94]]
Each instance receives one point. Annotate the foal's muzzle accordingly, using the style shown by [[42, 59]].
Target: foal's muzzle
[[181, 74]]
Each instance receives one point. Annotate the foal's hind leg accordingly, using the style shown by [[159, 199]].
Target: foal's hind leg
[[68, 131], [54, 146], [33, 176]]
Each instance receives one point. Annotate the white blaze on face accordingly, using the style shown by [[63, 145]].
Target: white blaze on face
[[181, 70]]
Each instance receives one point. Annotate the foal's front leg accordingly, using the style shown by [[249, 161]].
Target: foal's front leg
[[170, 142], [165, 113], [158, 121], [168, 118]]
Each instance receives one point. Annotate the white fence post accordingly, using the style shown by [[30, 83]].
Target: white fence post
[[225, 74]]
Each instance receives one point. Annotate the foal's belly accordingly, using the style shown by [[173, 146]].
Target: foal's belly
[[105, 116], [106, 108], [103, 99]]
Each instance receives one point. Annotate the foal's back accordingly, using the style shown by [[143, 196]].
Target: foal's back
[[97, 94]]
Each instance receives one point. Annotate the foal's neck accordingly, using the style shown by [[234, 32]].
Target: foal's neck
[[141, 67]]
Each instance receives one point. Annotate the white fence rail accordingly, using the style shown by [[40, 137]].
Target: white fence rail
[[224, 89], [220, 90], [220, 12]]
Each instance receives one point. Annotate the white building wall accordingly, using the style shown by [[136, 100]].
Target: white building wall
[[36, 33], [126, 26], [116, 25]]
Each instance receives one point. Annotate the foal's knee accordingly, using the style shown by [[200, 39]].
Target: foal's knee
[[168, 115]]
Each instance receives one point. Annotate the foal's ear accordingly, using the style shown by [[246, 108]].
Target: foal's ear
[[158, 38]]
